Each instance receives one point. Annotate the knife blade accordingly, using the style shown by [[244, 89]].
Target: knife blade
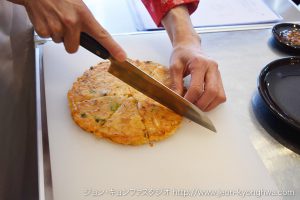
[[136, 78]]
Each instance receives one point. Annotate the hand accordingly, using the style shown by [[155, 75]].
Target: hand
[[64, 20], [206, 89]]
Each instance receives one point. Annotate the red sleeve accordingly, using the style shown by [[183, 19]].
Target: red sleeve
[[159, 8]]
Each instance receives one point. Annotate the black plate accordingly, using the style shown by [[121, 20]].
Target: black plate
[[278, 129], [279, 87], [279, 31]]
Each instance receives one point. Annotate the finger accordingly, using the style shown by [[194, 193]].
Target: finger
[[71, 34], [71, 39], [196, 87], [220, 98], [39, 24], [177, 77], [93, 28], [41, 29], [212, 81], [217, 101], [56, 29], [56, 38]]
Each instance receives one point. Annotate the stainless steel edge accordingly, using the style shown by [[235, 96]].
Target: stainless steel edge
[[44, 164]]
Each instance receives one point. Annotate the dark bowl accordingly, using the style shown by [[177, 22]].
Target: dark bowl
[[274, 126], [279, 87], [281, 40], [276, 104]]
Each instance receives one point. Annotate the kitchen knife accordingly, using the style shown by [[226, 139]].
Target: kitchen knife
[[144, 83]]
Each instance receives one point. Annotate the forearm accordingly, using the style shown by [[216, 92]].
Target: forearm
[[179, 27]]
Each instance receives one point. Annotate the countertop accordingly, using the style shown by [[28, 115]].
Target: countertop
[[245, 53], [226, 159]]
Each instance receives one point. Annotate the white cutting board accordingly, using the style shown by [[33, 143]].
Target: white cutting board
[[84, 167]]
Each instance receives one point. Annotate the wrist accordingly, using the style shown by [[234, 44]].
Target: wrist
[[190, 38]]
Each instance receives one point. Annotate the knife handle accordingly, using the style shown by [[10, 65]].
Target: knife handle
[[93, 46]]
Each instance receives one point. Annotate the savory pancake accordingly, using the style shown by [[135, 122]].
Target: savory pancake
[[107, 107]]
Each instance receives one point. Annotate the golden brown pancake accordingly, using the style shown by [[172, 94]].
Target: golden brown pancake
[[109, 108]]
